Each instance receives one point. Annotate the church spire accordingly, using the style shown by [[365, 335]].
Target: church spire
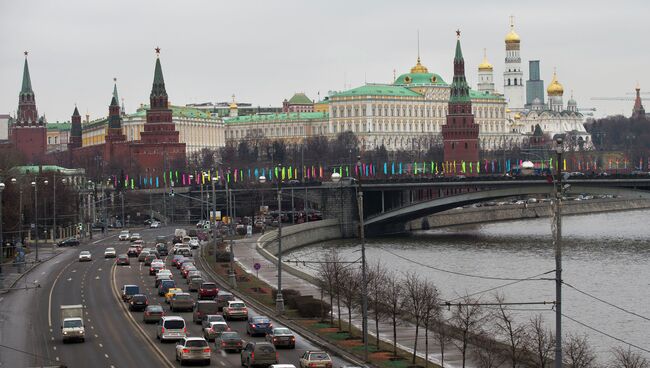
[[27, 81], [158, 97], [115, 95], [638, 112], [459, 86]]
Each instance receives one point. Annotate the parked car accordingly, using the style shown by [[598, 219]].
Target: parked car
[[235, 310], [138, 302], [85, 256], [315, 359], [153, 313], [109, 253], [181, 301], [192, 349], [70, 242], [203, 308], [170, 328], [258, 353], [128, 291], [258, 325], [208, 290], [214, 329], [123, 260], [222, 299], [281, 336], [229, 341]]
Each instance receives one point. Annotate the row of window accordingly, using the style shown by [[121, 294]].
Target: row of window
[[392, 111]]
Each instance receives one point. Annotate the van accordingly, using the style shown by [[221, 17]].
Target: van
[[171, 328], [203, 308], [258, 353], [128, 291]]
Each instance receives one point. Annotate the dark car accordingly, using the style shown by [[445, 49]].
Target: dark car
[[128, 291], [149, 258], [281, 336], [228, 341], [222, 299], [153, 313], [162, 249], [164, 286], [123, 259], [138, 302], [208, 290], [70, 242], [132, 252], [258, 325], [204, 308]]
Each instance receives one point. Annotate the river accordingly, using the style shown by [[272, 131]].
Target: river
[[606, 255]]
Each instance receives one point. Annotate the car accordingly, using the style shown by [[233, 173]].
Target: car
[[85, 256], [155, 225], [183, 261], [186, 268], [128, 291], [160, 278], [181, 301], [187, 252], [204, 308], [194, 283], [214, 329], [175, 259], [109, 253], [134, 237], [165, 271], [208, 290], [170, 292], [149, 259], [315, 359], [138, 302], [171, 328], [194, 243], [143, 254], [235, 309], [132, 252], [258, 325], [228, 341], [124, 235], [211, 318], [281, 336], [222, 299], [258, 353], [123, 260], [148, 221], [70, 242], [162, 249], [155, 268], [164, 286], [192, 349], [192, 274], [288, 366], [153, 313]]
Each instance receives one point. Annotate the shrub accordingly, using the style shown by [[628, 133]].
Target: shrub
[[312, 308], [222, 256], [288, 295]]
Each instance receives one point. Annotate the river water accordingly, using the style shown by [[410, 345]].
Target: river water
[[606, 255]]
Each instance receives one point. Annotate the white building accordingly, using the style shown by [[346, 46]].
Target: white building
[[513, 77]]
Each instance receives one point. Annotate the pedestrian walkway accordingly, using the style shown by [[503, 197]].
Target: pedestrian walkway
[[246, 254], [12, 272]]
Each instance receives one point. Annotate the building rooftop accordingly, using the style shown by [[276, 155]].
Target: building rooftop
[[300, 99], [177, 111], [280, 117], [65, 126], [378, 90]]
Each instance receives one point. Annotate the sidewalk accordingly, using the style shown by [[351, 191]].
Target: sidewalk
[[12, 273], [246, 255]]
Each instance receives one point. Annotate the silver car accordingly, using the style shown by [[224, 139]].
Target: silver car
[[85, 256], [181, 301], [192, 349], [171, 328]]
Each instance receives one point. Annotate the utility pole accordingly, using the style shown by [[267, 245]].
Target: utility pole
[[35, 185], [2, 254], [364, 281], [557, 239], [279, 300], [54, 211], [122, 200]]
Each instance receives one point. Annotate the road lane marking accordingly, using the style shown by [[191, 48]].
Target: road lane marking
[[54, 347], [49, 301], [96, 336], [101, 346], [106, 355], [57, 359]]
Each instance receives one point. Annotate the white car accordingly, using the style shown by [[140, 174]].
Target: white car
[[109, 253], [124, 235], [154, 225], [85, 256], [194, 243], [193, 349], [135, 236]]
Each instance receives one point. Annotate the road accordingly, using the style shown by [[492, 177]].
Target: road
[[29, 319]]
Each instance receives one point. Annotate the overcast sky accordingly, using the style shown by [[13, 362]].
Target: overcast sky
[[264, 51]]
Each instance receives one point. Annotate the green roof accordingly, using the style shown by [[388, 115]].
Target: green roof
[[378, 90], [280, 117], [413, 79], [177, 111], [59, 126], [483, 95], [300, 99], [27, 81]]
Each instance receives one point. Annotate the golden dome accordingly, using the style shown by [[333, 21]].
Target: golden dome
[[419, 68], [517, 116], [485, 64], [512, 37], [508, 110], [555, 88], [232, 105]]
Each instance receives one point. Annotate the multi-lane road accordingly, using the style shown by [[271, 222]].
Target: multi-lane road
[[115, 337]]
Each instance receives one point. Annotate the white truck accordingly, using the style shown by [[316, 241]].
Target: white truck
[[72, 323]]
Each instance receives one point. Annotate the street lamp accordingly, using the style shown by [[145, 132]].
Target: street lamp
[[336, 178], [279, 300], [36, 217], [214, 210], [364, 286], [45, 182], [557, 239], [20, 210], [2, 188]]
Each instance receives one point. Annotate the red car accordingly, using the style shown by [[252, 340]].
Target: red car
[[208, 290]]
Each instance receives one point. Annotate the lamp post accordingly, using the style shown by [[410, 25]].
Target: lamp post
[[364, 286], [122, 202], [214, 210], [279, 300], [557, 239], [46, 183], [190, 203], [35, 216], [336, 178], [2, 188], [20, 210]]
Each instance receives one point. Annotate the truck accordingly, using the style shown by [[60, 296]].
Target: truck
[[72, 323], [179, 234]]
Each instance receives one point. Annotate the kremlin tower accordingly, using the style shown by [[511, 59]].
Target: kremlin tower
[[460, 133], [28, 133], [513, 77], [75, 130], [638, 112]]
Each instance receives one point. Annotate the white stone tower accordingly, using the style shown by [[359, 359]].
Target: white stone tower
[[555, 92], [513, 77], [485, 75]]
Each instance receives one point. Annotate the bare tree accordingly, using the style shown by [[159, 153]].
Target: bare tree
[[468, 319], [626, 358], [487, 352], [415, 291], [350, 284], [540, 341], [327, 277], [515, 335], [577, 353], [395, 299], [376, 294], [431, 312], [442, 336]]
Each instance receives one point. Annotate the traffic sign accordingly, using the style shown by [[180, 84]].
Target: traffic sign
[[257, 266]]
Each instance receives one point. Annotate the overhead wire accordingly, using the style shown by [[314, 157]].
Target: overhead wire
[[605, 333], [606, 302], [28, 353], [501, 286]]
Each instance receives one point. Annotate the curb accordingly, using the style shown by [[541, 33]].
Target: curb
[[309, 335], [32, 267]]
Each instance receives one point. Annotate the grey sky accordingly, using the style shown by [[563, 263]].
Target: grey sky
[[263, 51]]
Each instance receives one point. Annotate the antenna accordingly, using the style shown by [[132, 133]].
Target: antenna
[[512, 21], [418, 45]]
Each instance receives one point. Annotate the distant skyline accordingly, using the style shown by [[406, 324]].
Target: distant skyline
[[263, 52]]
